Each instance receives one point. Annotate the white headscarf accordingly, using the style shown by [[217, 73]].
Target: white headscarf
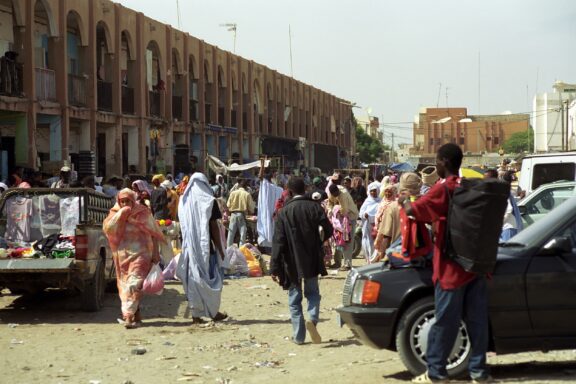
[[370, 205]]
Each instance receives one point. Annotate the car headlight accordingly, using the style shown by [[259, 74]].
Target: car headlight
[[365, 292]]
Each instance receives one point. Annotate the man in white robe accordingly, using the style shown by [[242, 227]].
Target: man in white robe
[[202, 250]]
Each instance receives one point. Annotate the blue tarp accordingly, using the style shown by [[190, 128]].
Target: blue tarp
[[402, 167]]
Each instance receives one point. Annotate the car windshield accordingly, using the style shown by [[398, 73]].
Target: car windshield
[[542, 229]]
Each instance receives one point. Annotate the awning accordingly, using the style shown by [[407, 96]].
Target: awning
[[219, 167]]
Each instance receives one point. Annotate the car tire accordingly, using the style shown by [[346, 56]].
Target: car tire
[[412, 339], [93, 293]]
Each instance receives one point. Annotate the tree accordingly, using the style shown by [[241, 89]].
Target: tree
[[520, 142], [370, 149]]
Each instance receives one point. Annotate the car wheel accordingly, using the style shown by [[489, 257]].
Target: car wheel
[[93, 294], [412, 340]]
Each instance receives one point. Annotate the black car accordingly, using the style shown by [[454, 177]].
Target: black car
[[532, 298]]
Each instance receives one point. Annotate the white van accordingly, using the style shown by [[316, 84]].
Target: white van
[[546, 168]]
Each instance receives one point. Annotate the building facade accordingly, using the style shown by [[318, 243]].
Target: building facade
[[113, 91], [549, 111], [475, 134]]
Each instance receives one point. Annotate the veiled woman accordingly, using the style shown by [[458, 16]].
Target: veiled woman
[[367, 214], [133, 235]]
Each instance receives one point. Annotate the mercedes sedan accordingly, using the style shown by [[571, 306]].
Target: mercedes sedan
[[532, 298]]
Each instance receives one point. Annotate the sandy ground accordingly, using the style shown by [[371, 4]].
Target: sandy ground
[[47, 339]]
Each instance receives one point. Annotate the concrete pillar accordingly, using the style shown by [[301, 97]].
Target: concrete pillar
[[61, 55], [250, 114], [140, 94], [56, 139], [202, 106], [30, 86], [87, 143], [22, 148], [240, 109], [91, 82]]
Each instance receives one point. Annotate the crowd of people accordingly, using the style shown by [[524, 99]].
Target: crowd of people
[[307, 224]]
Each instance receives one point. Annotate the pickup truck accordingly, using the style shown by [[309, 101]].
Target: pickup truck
[[53, 238]]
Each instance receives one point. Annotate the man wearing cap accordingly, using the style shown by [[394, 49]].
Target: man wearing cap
[[429, 178], [317, 193], [64, 181]]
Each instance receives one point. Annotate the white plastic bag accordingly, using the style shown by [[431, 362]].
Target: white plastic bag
[[154, 282]]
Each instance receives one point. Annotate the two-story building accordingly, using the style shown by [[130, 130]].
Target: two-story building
[[112, 90]]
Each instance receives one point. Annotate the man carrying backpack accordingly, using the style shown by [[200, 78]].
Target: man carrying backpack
[[458, 294]]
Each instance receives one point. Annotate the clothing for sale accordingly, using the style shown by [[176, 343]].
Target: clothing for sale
[[49, 207], [18, 214], [267, 197], [69, 215]]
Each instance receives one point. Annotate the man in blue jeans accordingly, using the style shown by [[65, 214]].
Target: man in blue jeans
[[458, 295], [297, 258]]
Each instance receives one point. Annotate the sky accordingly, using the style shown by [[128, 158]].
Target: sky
[[392, 58]]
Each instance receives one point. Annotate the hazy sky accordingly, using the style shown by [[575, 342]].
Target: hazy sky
[[394, 57]]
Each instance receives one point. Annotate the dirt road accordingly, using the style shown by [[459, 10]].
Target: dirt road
[[47, 339]]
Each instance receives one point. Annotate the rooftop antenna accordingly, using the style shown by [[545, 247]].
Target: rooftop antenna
[[231, 27], [290, 40], [439, 91], [178, 11]]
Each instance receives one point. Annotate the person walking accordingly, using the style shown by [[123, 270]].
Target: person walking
[[368, 212], [240, 204], [458, 294], [133, 236], [202, 250], [339, 195], [298, 258]]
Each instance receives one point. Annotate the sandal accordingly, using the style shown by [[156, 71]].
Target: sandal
[[197, 320], [344, 268], [220, 316], [424, 378]]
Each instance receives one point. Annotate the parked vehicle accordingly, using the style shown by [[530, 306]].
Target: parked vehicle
[[53, 238], [531, 305], [544, 199], [546, 168]]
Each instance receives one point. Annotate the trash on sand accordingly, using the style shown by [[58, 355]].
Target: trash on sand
[[166, 358], [14, 341], [262, 286], [267, 364], [13, 325], [139, 351]]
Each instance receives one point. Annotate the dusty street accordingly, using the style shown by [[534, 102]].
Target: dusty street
[[46, 339]]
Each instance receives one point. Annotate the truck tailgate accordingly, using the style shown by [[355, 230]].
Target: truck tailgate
[[35, 265]]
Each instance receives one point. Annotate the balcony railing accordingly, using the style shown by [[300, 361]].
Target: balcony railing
[[127, 100], [104, 96], [76, 90], [10, 77], [177, 107], [154, 100], [45, 84]]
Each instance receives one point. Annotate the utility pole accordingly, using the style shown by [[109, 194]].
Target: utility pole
[[567, 125], [392, 149], [562, 120]]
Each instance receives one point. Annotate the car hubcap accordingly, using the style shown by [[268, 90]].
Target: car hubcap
[[419, 340]]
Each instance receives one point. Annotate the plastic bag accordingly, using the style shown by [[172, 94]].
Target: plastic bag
[[237, 261], [154, 282]]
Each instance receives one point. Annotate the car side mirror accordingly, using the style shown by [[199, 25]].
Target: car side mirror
[[557, 245], [523, 210]]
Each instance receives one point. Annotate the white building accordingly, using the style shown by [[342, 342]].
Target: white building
[[572, 125], [549, 116]]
